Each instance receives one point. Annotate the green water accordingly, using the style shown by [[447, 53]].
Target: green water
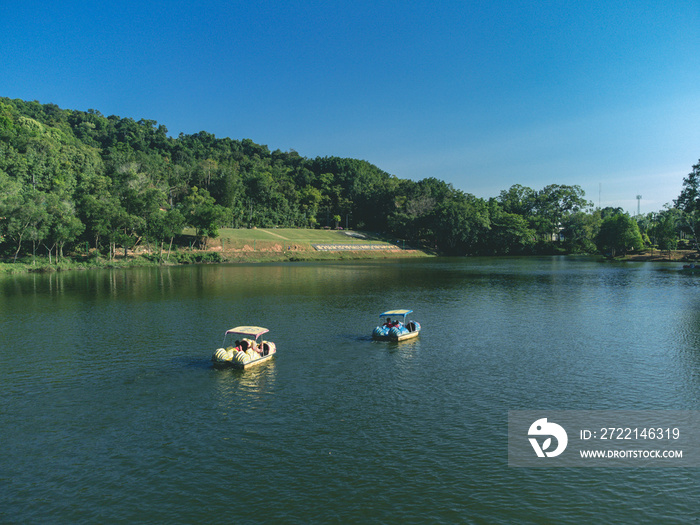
[[110, 410]]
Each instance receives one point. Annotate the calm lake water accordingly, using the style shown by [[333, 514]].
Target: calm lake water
[[110, 410]]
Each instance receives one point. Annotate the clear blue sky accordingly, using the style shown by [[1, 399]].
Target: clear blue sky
[[481, 94]]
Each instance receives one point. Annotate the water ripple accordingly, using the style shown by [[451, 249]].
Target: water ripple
[[112, 412]]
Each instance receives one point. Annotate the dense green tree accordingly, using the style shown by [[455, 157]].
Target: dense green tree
[[689, 199], [63, 225], [509, 233], [26, 219], [610, 212], [619, 233], [11, 201], [164, 225], [688, 202], [414, 216], [460, 223], [579, 230], [105, 220], [553, 204], [665, 228], [203, 214], [518, 200]]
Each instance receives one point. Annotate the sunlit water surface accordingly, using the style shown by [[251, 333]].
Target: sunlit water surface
[[110, 410]]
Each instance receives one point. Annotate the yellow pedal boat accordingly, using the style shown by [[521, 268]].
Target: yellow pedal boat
[[246, 351]]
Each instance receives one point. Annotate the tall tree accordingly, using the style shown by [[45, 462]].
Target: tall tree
[[27, 219], [518, 199], [509, 234], [554, 202], [689, 203], [689, 199], [203, 214], [63, 225], [619, 233], [579, 230], [461, 223], [665, 228]]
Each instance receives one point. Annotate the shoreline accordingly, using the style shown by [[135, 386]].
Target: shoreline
[[232, 246], [213, 256], [41, 264], [662, 256], [259, 246]]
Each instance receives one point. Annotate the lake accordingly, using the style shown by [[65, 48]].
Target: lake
[[111, 411]]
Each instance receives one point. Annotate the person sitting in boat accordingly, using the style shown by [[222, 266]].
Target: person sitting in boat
[[238, 347], [248, 347], [249, 344], [392, 324]]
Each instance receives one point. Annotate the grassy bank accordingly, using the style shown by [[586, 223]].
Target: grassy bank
[[260, 245], [662, 256], [235, 246]]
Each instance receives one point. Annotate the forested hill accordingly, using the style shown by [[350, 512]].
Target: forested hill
[[70, 177]]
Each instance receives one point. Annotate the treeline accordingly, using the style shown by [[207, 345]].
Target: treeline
[[71, 180]]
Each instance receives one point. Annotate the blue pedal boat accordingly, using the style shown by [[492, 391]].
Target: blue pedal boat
[[395, 326]]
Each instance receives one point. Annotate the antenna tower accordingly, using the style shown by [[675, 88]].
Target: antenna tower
[[639, 199]]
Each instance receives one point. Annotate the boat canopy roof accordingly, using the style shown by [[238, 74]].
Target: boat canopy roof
[[395, 313], [254, 331]]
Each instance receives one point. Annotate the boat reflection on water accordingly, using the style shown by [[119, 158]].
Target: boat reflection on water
[[237, 387]]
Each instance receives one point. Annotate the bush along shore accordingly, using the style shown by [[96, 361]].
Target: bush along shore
[[232, 246], [254, 253], [259, 245]]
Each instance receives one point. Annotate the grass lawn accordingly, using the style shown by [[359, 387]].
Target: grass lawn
[[298, 235], [266, 244], [288, 239]]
